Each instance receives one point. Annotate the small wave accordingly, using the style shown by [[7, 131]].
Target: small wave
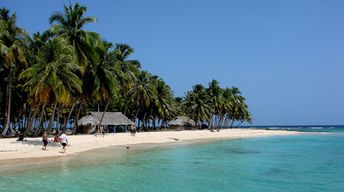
[[316, 128]]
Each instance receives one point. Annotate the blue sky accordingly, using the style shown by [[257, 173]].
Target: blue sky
[[287, 57]]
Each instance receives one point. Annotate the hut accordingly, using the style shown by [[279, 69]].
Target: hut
[[182, 121], [112, 121]]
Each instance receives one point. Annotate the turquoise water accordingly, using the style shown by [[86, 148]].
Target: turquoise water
[[308, 162]]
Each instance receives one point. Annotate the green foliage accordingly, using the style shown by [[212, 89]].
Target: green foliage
[[69, 24], [197, 104], [12, 61], [54, 77], [68, 68], [216, 106]]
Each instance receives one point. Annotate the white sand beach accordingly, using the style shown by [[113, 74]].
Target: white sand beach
[[31, 148]]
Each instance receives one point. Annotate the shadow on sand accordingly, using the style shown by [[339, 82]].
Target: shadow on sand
[[38, 143]]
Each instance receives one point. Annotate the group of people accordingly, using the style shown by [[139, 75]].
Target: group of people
[[57, 138], [64, 140]]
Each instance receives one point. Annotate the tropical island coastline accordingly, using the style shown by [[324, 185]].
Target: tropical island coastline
[[55, 81], [55, 78], [171, 96], [31, 148]]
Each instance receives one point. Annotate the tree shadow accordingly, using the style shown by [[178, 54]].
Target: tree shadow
[[38, 143]]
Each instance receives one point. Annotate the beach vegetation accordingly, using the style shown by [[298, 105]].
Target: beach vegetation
[[52, 78]]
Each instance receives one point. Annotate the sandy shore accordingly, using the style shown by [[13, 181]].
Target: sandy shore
[[31, 148]]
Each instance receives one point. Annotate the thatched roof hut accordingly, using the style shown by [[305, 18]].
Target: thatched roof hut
[[112, 118], [89, 122], [182, 121]]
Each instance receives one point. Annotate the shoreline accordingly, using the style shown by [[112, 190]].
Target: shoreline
[[10, 149]]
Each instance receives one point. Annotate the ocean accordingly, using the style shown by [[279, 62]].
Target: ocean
[[312, 161]]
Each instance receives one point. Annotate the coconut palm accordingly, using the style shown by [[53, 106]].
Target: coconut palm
[[214, 93], [142, 93], [241, 112], [106, 84], [70, 25], [38, 40], [162, 106], [197, 104], [127, 69], [12, 55], [238, 110], [67, 68], [32, 51], [54, 78], [88, 47]]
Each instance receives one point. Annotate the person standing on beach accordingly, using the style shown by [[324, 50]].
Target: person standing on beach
[[64, 141], [45, 140], [133, 130]]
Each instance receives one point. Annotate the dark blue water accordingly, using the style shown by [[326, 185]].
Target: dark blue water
[[301, 128], [307, 162]]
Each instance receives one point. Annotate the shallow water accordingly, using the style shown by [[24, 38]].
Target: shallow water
[[308, 162]]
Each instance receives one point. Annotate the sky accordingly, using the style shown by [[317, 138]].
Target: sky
[[286, 57]]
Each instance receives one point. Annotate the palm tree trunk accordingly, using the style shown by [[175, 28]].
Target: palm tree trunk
[[145, 121], [219, 122], [239, 124], [26, 117], [160, 123], [101, 119], [222, 123], [125, 110], [50, 126], [139, 124], [210, 121], [226, 121], [69, 114], [58, 125], [8, 104], [232, 122], [29, 124], [154, 125], [64, 122], [146, 124], [41, 122], [138, 119], [76, 127], [196, 124]]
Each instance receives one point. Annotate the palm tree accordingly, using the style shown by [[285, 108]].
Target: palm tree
[[238, 110], [214, 93], [88, 47], [67, 68], [54, 78], [227, 105], [38, 40], [142, 93], [70, 25], [197, 104], [106, 85], [32, 51], [241, 112], [163, 105], [127, 69], [12, 55]]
